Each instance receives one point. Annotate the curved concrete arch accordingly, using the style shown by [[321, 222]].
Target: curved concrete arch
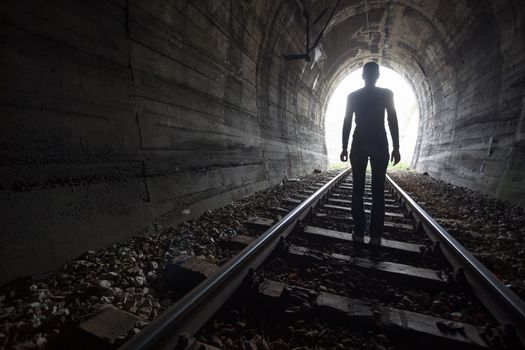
[[409, 50]]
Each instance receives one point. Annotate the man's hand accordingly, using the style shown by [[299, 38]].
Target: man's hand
[[344, 155], [396, 157]]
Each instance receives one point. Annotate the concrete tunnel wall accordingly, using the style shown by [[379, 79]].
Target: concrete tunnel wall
[[119, 115]]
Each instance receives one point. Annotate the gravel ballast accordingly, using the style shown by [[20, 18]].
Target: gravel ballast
[[130, 275], [492, 230]]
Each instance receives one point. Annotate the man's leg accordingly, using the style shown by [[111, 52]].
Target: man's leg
[[378, 163], [358, 160]]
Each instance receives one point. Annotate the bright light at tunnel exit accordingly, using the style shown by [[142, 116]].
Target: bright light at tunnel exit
[[406, 106]]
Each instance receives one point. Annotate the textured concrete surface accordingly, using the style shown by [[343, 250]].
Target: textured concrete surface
[[117, 115], [466, 62]]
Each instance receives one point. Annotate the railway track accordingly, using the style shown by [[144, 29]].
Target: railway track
[[305, 268]]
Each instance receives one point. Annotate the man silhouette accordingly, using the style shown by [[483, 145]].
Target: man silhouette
[[370, 141]]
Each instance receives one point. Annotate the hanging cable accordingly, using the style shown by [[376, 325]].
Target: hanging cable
[[309, 49], [367, 26], [321, 33]]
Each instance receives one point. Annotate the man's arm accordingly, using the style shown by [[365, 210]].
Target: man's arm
[[347, 127], [393, 126]]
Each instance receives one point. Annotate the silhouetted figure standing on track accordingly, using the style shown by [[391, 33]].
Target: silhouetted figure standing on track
[[370, 141]]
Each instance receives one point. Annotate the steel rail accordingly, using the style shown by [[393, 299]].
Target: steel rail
[[506, 307], [181, 321]]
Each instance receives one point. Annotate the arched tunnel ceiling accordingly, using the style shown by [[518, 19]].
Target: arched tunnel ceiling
[[415, 38], [393, 36], [462, 59]]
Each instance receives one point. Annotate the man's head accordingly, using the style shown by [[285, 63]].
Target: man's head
[[371, 73]]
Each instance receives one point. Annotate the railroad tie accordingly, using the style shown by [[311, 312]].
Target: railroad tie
[[348, 218], [104, 328], [367, 211], [414, 276], [185, 272], [401, 321], [386, 244], [259, 223], [367, 315], [299, 199]]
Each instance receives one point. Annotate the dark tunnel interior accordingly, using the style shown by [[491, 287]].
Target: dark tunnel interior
[[117, 116]]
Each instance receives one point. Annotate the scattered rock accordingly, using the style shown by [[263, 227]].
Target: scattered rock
[[153, 265], [104, 284], [139, 281]]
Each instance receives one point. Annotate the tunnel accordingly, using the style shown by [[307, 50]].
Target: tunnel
[[119, 117]]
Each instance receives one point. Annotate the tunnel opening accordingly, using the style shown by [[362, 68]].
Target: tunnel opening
[[406, 104]]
